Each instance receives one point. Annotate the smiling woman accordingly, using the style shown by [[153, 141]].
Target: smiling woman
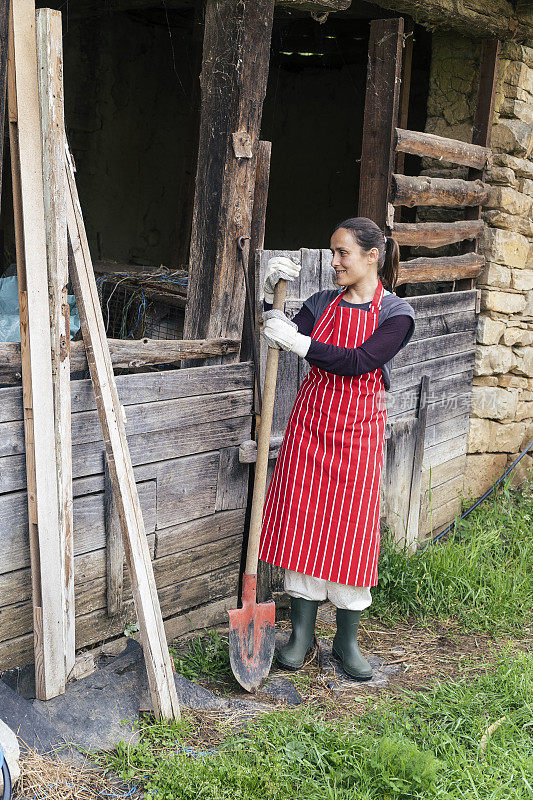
[[321, 517]]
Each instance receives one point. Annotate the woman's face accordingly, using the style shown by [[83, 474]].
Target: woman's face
[[351, 263]]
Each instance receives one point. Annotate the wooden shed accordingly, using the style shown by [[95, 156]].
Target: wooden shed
[[189, 397]]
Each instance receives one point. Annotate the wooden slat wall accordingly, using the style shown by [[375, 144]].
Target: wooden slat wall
[[442, 347], [184, 430]]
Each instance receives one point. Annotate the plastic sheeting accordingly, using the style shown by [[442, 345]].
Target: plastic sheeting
[[9, 311]]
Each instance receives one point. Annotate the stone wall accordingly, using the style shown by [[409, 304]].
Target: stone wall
[[501, 422]]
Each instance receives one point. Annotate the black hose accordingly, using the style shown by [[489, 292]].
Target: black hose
[[475, 505]]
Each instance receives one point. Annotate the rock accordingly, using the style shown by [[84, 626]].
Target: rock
[[505, 302], [513, 136], [514, 336], [524, 411], [521, 166], [528, 308], [501, 175], [509, 200], [522, 471], [10, 746], [513, 381], [499, 219], [517, 52], [493, 359], [519, 74], [525, 185], [524, 365], [517, 108], [522, 279], [485, 380], [282, 689], [489, 331], [495, 275], [494, 437], [493, 402], [506, 247], [481, 471]]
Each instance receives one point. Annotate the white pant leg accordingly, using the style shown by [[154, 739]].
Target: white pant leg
[[296, 584], [351, 598]]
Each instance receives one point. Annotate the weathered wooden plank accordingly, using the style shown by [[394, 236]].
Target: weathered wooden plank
[[147, 418], [91, 565], [408, 190], [147, 387], [4, 25], [382, 99], [114, 549], [327, 273], [440, 495], [232, 482], [30, 237], [430, 327], [419, 143], [89, 527], [439, 518], [50, 74], [436, 234], [428, 305], [186, 488], [443, 268], [144, 449], [233, 83], [449, 396], [444, 450], [404, 377], [429, 349], [442, 473], [199, 532], [396, 480], [413, 517]]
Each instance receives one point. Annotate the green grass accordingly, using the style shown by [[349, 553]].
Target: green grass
[[205, 659], [423, 745], [482, 576]]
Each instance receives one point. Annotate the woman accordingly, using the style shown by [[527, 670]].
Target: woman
[[321, 517]]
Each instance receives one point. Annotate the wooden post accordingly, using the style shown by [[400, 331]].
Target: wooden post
[[481, 134], [50, 72], [114, 549], [4, 25], [418, 457], [111, 414], [37, 384], [381, 118], [233, 82]]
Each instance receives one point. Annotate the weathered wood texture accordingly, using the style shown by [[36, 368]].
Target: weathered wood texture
[[31, 247], [442, 348], [478, 18], [450, 150], [233, 84], [444, 268], [184, 429], [435, 234], [407, 190], [50, 73], [126, 353], [381, 117], [4, 25]]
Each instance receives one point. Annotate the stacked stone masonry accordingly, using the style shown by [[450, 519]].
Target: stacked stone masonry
[[501, 420]]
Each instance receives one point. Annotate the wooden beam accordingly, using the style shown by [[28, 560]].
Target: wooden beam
[[380, 118], [405, 91], [128, 353], [424, 191], [477, 18], [30, 236], [446, 268], [111, 414], [50, 72], [413, 517], [233, 81], [435, 234], [451, 150]]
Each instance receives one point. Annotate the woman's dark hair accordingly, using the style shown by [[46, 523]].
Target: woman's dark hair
[[368, 235]]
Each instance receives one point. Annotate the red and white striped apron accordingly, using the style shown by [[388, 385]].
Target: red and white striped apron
[[321, 515]]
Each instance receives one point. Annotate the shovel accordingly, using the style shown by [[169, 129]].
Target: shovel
[[252, 633]]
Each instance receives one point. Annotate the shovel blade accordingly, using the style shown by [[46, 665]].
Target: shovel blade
[[252, 637]]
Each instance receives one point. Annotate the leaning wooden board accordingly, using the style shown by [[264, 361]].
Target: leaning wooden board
[[156, 654]]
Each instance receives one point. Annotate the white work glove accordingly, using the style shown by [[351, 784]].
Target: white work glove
[[278, 267], [280, 332]]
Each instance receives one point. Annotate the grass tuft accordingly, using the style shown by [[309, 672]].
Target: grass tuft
[[482, 575]]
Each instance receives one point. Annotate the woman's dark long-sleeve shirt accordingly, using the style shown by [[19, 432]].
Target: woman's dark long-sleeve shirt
[[380, 347]]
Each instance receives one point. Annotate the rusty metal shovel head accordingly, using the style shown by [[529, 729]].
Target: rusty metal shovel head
[[252, 637]]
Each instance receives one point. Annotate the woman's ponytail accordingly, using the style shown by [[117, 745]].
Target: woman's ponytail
[[388, 272]]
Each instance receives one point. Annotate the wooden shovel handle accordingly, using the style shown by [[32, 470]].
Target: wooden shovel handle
[[263, 442]]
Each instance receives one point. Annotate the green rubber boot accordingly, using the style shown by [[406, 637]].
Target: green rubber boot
[[303, 618], [345, 646]]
